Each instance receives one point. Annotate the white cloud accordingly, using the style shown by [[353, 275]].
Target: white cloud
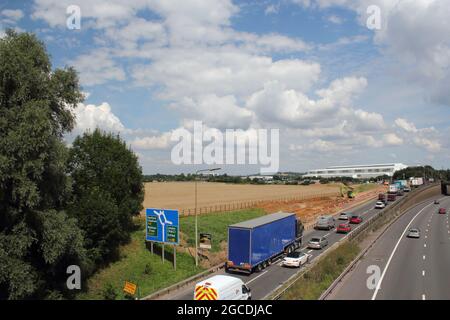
[[405, 125], [11, 16], [90, 117], [335, 19], [98, 67], [217, 112], [161, 141], [431, 146], [391, 139], [272, 9]]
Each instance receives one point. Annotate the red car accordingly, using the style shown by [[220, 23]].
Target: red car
[[344, 228], [442, 211], [356, 219]]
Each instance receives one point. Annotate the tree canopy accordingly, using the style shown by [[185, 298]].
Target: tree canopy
[[37, 238], [108, 190]]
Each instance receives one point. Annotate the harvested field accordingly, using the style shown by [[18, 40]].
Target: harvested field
[[180, 195]]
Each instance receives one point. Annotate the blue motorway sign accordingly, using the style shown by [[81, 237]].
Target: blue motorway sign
[[162, 225]]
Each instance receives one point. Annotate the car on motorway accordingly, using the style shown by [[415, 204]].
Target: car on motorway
[[442, 211], [436, 201], [343, 228], [295, 259], [356, 219], [344, 216], [380, 205], [325, 223], [413, 233], [317, 242]]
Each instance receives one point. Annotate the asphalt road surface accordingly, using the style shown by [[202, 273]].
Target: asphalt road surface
[[409, 269], [264, 282]]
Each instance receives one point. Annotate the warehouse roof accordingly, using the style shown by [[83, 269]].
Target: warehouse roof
[[262, 220]]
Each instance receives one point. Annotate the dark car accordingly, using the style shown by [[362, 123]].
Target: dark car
[[436, 201], [356, 219]]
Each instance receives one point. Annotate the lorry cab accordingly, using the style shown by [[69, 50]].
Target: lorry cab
[[222, 287]]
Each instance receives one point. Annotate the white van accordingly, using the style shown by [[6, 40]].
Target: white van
[[222, 287]]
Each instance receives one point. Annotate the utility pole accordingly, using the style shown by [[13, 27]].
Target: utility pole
[[196, 215]]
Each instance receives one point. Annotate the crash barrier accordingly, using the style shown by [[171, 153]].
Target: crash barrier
[[182, 283], [407, 201], [234, 206]]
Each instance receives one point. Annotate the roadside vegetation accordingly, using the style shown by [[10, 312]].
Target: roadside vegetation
[[60, 205], [138, 265], [311, 284], [216, 224]]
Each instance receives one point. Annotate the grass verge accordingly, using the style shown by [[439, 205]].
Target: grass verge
[[138, 265], [311, 284]]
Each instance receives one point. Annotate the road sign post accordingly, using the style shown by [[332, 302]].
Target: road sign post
[[175, 257], [162, 226]]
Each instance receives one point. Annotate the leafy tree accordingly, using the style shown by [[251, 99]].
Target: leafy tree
[[37, 239], [108, 190]]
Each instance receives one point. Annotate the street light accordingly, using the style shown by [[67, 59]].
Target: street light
[[196, 220]]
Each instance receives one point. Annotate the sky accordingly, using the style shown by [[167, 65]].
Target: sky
[[339, 90]]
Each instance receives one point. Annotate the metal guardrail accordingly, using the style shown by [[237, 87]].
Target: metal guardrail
[[183, 283], [395, 207]]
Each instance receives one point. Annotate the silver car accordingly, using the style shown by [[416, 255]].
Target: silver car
[[413, 233], [325, 223], [317, 243], [344, 216]]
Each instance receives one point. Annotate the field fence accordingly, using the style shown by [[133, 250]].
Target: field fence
[[234, 206]]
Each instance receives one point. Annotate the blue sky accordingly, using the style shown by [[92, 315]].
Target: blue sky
[[338, 92]]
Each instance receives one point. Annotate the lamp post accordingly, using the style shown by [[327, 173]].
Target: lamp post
[[196, 216]]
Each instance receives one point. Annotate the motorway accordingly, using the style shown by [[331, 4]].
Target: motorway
[[409, 269], [264, 282]]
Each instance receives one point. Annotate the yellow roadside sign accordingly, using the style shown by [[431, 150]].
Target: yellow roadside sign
[[130, 288]]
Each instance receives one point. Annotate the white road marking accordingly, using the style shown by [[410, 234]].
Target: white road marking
[[423, 273], [423, 297], [424, 257], [310, 251], [374, 296], [327, 235], [256, 277], [426, 237], [424, 245]]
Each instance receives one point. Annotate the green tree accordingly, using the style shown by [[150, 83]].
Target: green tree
[[108, 190], [37, 239]]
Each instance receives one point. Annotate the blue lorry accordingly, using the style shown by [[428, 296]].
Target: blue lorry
[[254, 244]]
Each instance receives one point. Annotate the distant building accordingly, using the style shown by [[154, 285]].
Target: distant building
[[264, 178], [357, 171]]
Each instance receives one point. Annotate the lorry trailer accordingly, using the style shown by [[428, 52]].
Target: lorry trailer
[[256, 243]]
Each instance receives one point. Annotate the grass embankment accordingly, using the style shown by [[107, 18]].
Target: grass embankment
[[311, 285], [138, 265]]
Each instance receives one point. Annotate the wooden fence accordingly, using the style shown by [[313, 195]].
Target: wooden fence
[[233, 206]]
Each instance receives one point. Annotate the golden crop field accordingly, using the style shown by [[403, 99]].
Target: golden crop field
[[181, 195]]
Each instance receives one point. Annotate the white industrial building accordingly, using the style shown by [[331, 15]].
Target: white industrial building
[[357, 171]]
